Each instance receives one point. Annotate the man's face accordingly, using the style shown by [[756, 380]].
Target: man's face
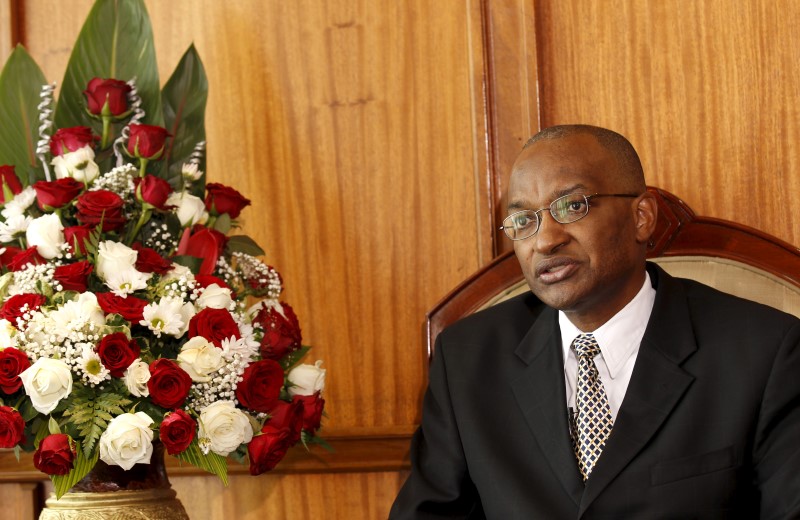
[[591, 268]]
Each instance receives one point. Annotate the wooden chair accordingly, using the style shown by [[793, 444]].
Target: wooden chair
[[731, 257]]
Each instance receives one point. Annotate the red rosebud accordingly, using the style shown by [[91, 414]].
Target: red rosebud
[[288, 416], [169, 384], [223, 199], [149, 261], [7, 256], [12, 427], [117, 352], [177, 431], [9, 178], [71, 139], [23, 258], [313, 405], [281, 331], [261, 385], [268, 448], [147, 141], [19, 304], [77, 236], [74, 277], [56, 454], [215, 325], [108, 94], [130, 307], [57, 194], [101, 205], [154, 191], [12, 363]]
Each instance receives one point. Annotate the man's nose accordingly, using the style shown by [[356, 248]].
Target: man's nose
[[551, 236]]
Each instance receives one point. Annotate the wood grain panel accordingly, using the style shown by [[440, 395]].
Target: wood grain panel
[[706, 91], [6, 31]]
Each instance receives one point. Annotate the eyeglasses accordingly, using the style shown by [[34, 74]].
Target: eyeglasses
[[565, 210]]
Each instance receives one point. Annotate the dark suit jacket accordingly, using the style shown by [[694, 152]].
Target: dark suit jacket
[[709, 427]]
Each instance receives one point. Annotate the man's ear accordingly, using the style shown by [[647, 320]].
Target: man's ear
[[645, 215]]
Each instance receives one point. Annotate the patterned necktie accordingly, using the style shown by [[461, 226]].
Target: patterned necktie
[[594, 421]]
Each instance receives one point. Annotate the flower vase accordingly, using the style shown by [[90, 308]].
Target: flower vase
[[109, 492]]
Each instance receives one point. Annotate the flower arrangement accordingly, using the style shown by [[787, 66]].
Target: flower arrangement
[[131, 312]]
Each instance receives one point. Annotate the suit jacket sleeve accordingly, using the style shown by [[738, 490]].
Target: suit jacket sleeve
[[776, 451], [439, 484]]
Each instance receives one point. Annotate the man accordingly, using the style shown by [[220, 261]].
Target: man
[[690, 408]]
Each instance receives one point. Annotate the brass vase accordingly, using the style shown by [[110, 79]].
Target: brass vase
[[109, 492]]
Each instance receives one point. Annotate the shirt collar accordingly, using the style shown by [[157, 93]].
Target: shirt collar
[[620, 336]]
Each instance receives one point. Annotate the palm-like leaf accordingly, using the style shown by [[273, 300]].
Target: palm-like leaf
[[116, 41], [184, 101], [20, 84]]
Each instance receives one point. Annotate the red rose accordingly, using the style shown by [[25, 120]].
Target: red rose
[[74, 277], [268, 448], [77, 236], [149, 261], [223, 199], [19, 304], [117, 352], [313, 405], [9, 179], [147, 141], [261, 385], [281, 331], [71, 139], [23, 258], [288, 416], [12, 363], [215, 325], [7, 256], [129, 307], [168, 384], [101, 205], [12, 427], [107, 97], [153, 191], [55, 455], [57, 194], [177, 431]]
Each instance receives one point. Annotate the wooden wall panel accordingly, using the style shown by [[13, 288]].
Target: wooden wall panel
[[7, 29], [706, 91]]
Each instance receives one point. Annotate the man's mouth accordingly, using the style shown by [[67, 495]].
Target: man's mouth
[[555, 270]]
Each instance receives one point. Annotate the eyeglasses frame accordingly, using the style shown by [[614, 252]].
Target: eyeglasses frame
[[550, 208]]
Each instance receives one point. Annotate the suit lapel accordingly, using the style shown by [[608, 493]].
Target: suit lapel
[[656, 385], [540, 393]]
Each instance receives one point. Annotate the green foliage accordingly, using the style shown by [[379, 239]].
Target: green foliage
[[20, 85], [192, 262], [212, 462], [81, 467], [116, 41], [184, 101], [243, 244], [294, 357], [90, 414]]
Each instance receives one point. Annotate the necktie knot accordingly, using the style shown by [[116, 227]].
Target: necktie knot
[[586, 346]]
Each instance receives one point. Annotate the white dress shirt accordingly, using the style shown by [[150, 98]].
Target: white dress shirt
[[619, 339]]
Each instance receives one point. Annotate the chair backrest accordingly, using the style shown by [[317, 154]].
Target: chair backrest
[[731, 257]]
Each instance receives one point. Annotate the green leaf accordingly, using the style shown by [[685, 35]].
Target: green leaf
[[243, 244], [184, 101], [223, 223], [52, 426], [91, 414], [192, 262], [294, 357], [20, 85], [116, 41], [212, 462], [81, 467]]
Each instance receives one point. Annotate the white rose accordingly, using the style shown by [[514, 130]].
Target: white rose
[[47, 234], [214, 297], [200, 359], [114, 257], [136, 377], [307, 379], [190, 209], [7, 333], [128, 440], [79, 165], [47, 382], [225, 427]]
